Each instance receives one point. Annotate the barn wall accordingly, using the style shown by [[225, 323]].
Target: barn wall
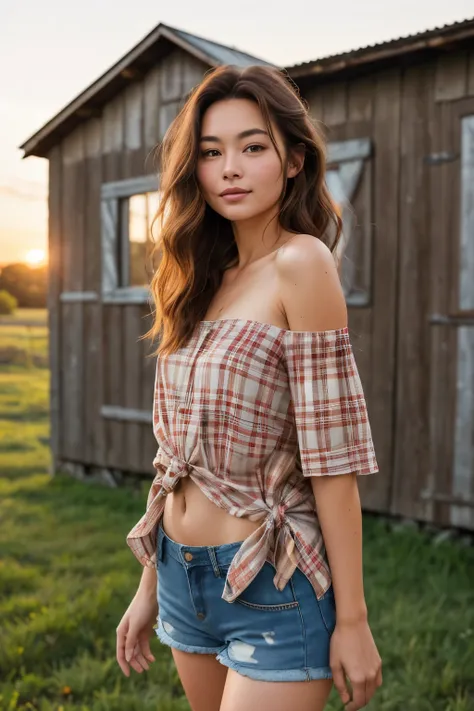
[[370, 106], [96, 356], [71, 318], [428, 354], [408, 363]]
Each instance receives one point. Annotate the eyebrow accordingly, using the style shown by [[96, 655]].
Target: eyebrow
[[242, 134]]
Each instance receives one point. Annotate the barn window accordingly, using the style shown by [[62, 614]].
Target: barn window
[[128, 208], [139, 211], [349, 181]]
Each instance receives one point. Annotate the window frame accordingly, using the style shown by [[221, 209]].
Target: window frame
[[114, 237], [350, 158]]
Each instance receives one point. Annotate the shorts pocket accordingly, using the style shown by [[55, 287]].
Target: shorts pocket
[[267, 608], [261, 594], [327, 608]]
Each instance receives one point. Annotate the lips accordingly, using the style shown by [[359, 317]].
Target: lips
[[234, 191]]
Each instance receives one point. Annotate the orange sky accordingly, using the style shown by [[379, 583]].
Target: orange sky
[[24, 211], [50, 66]]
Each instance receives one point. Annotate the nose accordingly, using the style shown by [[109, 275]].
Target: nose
[[232, 168]]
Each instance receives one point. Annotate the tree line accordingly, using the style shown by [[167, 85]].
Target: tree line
[[28, 285]]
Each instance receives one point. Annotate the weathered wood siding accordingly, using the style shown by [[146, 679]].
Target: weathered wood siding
[[370, 106], [96, 357], [417, 369]]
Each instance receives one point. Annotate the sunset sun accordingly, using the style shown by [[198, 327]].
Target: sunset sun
[[35, 257]]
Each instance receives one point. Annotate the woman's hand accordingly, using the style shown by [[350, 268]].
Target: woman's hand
[[134, 632], [353, 654]]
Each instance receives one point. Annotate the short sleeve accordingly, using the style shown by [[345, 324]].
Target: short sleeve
[[330, 411]]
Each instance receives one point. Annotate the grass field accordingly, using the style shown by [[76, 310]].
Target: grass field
[[38, 316], [24, 338], [67, 575]]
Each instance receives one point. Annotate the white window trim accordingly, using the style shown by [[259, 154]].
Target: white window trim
[[345, 161], [111, 195]]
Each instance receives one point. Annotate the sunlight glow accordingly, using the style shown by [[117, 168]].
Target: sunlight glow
[[35, 257]]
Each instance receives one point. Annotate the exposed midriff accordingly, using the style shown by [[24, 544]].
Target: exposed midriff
[[190, 518]]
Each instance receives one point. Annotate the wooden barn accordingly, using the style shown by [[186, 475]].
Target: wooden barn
[[399, 119]]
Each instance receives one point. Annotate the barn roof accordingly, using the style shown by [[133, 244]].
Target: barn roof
[[428, 40], [136, 62], [159, 41], [215, 53]]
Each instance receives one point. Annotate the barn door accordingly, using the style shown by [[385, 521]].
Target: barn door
[[450, 494]]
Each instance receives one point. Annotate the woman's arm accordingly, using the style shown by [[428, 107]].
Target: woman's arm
[[340, 518], [148, 583], [312, 300], [353, 651]]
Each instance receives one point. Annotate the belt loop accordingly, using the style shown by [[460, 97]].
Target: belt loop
[[215, 565]]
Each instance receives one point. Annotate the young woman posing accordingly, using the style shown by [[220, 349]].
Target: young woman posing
[[252, 538]]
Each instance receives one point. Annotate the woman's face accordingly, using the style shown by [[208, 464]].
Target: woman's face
[[236, 152]]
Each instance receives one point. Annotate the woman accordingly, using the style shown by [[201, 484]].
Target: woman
[[251, 538]]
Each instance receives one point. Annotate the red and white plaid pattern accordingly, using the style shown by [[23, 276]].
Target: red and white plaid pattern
[[249, 411]]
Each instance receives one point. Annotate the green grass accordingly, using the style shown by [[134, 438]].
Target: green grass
[[39, 316], [24, 338], [67, 576]]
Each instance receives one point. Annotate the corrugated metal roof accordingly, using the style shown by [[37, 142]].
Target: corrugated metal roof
[[374, 50], [221, 53]]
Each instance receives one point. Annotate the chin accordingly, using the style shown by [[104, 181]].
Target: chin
[[237, 212]]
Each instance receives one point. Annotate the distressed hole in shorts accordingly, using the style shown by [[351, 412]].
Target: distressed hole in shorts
[[168, 627], [241, 652]]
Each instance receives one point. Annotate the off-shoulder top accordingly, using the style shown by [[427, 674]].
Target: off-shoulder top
[[250, 411]]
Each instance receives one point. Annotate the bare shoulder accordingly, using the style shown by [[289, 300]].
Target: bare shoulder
[[301, 249], [309, 286]]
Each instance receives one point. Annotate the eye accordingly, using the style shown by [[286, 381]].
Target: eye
[[205, 154], [255, 145]]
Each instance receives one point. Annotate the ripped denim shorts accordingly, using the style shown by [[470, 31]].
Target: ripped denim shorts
[[264, 634]]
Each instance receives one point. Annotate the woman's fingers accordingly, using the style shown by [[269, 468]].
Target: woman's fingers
[[145, 647], [364, 689], [133, 640], [359, 699], [132, 647], [339, 680], [140, 658], [121, 631]]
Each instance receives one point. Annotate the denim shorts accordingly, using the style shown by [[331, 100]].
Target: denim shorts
[[264, 634]]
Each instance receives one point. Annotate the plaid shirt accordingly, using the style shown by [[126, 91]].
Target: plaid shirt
[[249, 411]]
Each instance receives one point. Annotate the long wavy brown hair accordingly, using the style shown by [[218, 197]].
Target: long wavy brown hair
[[195, 244]]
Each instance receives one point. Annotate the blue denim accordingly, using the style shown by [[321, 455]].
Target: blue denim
[[264, 634]]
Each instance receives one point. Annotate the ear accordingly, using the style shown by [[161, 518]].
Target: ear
[[296, 160]]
